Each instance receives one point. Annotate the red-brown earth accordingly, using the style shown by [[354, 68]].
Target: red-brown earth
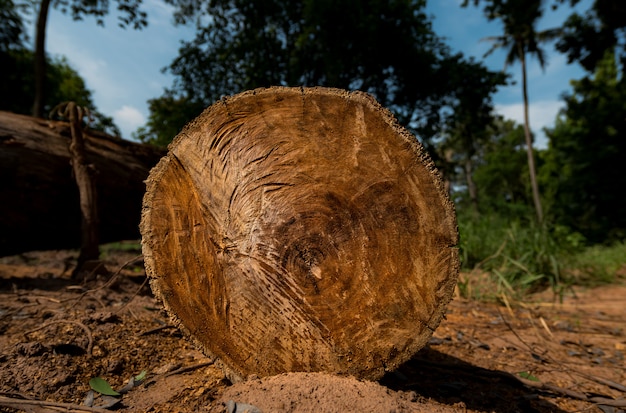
[[56, 334]]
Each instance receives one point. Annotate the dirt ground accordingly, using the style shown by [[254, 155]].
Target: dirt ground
[[56, 334]]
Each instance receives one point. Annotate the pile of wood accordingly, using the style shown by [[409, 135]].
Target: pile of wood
[[39, 206]]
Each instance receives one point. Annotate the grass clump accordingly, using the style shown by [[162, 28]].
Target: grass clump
[[133, 246], [518, 256], [597, 265]]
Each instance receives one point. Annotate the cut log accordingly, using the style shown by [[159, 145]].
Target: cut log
[[297, 229], [40, 208]]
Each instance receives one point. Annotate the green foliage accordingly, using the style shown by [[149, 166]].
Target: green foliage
[[12, 33], [584, 165], [466, 130], [521, 255], [517, 256], [527, 375], [581, 173], [168, 114], [499, 171], [480, 237], [587, 38], [598, 264], [102, 386], [129, 12], [381, 47], [519, 18], [63, 84], [502, 176], [128, 246], [140, 376]]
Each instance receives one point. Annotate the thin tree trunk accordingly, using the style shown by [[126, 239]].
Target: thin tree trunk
[[469, 169], [471, 185], [40, 59], [86, 182], [529, 144]]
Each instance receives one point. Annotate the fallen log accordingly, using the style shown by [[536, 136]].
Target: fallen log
[[40, 207], [300, 229]]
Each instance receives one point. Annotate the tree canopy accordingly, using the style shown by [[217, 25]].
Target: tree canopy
[[63, 84], [17, 85], [386, 48], [467, 128], [12, 33], [585, 170], [586, 38]]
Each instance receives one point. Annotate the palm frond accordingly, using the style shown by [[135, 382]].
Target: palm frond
[[549, 34]]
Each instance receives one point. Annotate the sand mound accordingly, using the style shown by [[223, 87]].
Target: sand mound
[[319, 392]]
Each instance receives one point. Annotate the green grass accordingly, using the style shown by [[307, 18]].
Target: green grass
[[596, 265], [521, 257], [127, 246]]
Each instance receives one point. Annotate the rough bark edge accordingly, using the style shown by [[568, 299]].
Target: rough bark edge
[[149, 263], [422, 156]]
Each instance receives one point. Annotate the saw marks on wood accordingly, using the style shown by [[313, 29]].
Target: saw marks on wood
[[295, 229]]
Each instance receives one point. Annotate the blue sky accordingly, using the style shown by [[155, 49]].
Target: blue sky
[[122, 67]]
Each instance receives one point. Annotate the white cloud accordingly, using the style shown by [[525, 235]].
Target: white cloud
[[541, 114], [128, 119]]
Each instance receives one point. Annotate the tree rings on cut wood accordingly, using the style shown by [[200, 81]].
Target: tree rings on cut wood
[[300, 229]]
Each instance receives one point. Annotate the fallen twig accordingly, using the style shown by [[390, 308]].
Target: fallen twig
[[134, 295], [17, 310], [545, 357], [76, 323], [156, 330], [510, 327], [601, 380], [47, 406], [109, 282], [179, 371], [188, 368], [609, 402]]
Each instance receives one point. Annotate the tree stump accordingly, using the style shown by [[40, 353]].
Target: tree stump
[[300, 229]]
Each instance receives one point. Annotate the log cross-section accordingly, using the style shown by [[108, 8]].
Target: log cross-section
[[300, 229]]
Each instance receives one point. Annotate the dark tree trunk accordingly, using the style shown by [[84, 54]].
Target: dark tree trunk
[[40, 206], [85, 176], [40, 59]]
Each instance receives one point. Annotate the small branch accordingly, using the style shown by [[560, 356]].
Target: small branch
[[179, 371], [550, 387], [24, 404], [608, 402], [188, 368], [566, 392], [133, 297], [108, 283], [76, 323], [17, 310], [156, 330]]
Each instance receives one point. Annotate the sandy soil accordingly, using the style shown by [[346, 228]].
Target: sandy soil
[[56, 334]]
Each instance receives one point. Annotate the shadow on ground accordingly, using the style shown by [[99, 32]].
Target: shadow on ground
[[449, 380]]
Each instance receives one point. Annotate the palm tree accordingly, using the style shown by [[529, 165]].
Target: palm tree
[[520, 39]]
